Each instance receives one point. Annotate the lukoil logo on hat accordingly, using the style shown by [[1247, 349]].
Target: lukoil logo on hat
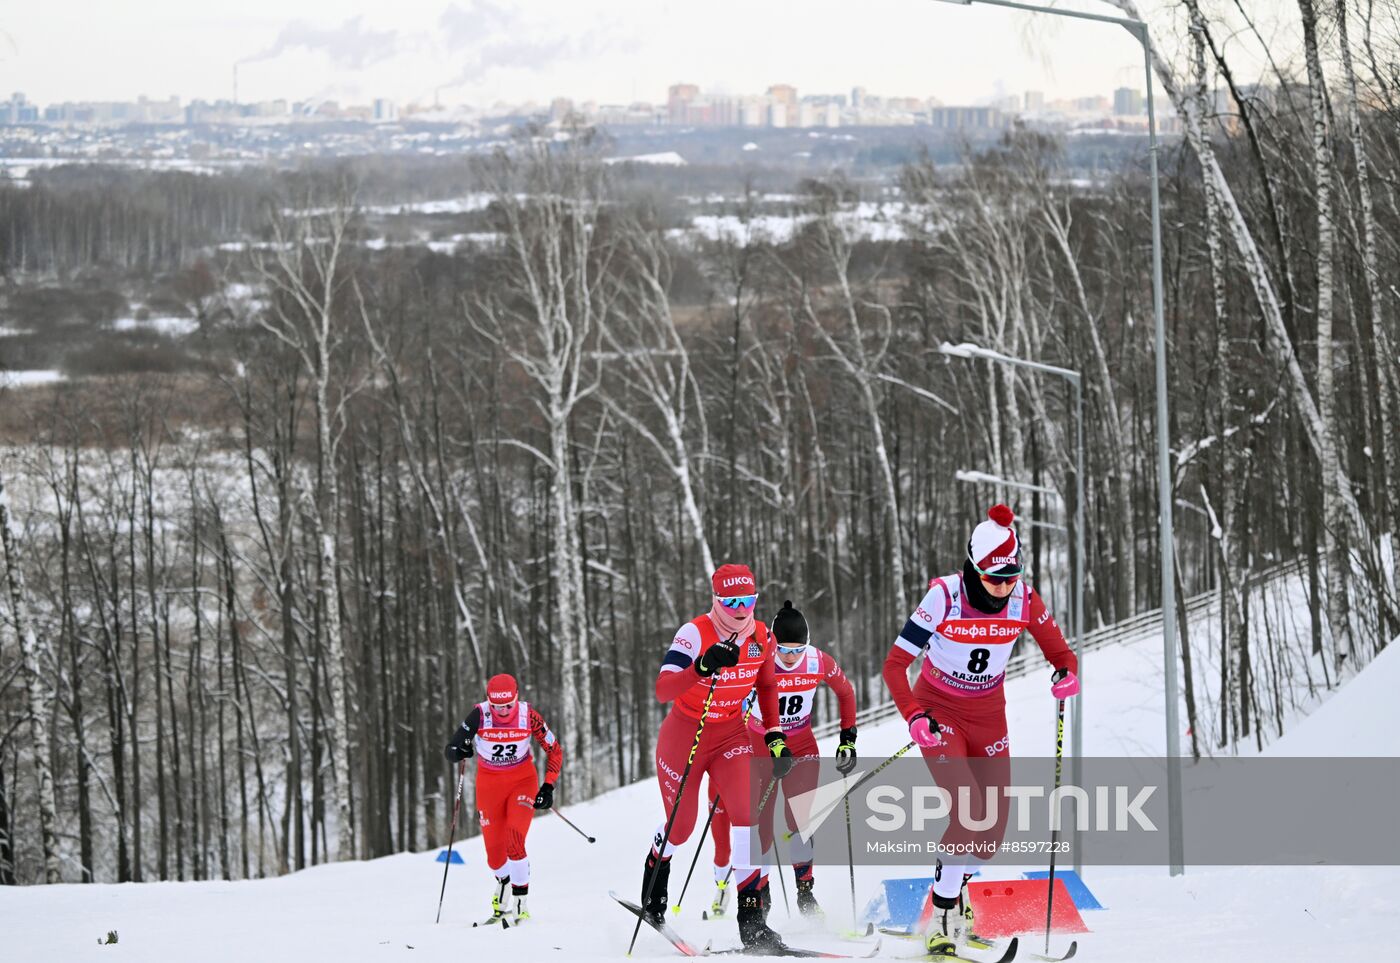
[[501, 689], [733, 579]]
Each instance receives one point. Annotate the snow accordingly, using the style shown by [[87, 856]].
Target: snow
[[875, 222], [667, 158], [451, 205], [383, 909], [174, 326], [20, 379], [1364, 709]]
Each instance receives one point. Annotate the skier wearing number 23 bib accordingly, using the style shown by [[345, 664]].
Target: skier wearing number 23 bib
[[966, 627], [799, 668], [508, 791]]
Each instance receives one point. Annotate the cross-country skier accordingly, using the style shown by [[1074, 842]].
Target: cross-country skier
[[508, 791], [799, 669], [966, 626], [719, 657]]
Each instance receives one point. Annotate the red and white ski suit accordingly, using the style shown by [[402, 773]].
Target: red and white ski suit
[[797, 693], [506, 782], [960, 686], [724, 752]]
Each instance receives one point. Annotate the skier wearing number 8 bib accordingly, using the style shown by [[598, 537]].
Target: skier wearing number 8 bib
[[966, 627], [508, 791], [799, 668]]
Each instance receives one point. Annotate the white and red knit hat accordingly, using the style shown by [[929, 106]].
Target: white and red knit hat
[[994, 543]]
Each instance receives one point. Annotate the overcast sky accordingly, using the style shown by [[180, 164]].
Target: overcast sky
[[485, 51]]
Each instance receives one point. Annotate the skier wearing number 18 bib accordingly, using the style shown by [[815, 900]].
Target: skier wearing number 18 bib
[[799, 668], [966, 627], [508, 791]]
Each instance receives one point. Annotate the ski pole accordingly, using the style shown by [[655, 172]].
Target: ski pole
[[703, 833], [451, 834], [859, 782], [1055, 830], [568, 822], [782, 880], [675, 808], [851, 865], [777, 858]]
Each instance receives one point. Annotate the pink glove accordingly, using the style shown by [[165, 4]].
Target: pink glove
[[925, 731], [1064, 684]]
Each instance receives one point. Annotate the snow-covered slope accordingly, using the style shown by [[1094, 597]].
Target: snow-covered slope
[[383, 909], [1360, 719]]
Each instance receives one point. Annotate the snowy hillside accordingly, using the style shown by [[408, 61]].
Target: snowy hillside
[[383, 910]]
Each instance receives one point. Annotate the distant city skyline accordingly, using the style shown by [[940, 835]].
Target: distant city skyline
[[686, 106], [483, 52]]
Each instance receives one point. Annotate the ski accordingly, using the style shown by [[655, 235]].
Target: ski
[[1006, 957], [973, 942], [1073, 949], [976, 943], [793, 951], [676, 940], [852, 936], [498, 921]]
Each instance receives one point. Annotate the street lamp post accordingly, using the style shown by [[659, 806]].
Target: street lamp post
[[1175, 846], [967, 350]]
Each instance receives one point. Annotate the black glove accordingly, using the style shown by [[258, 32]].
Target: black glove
[[721, 655], [461, 745], [846, 751], [545, 798], [782, 755]]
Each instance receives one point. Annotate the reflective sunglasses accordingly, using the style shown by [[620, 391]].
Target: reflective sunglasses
[[503, 708], [1000, 578], [791, 649], [739, 601]]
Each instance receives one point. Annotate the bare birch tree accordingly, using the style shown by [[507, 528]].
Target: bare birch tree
[[33, 653], [644, 339], [306, 269], [545, 315]]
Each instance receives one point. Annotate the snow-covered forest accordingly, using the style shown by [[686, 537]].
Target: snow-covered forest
[[245, 603]]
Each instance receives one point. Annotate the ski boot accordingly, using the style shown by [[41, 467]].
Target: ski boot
[[655, 906], [720, 907], [965, 905], [807, 903], [753, 927], [946, 933], [520, 912], [498, 903]]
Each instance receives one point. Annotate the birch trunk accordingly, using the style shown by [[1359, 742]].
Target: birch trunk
[[1387, 362], [307, 272], [1334, 516], [32, 652], [1299, 392]]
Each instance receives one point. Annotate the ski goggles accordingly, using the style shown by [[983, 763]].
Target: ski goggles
[[1000, 578], [792, 649], [739, 601]]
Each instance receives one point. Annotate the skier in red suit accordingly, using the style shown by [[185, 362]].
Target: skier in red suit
[[508, 791], [799, 668], [966, 626], [713, 662]]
